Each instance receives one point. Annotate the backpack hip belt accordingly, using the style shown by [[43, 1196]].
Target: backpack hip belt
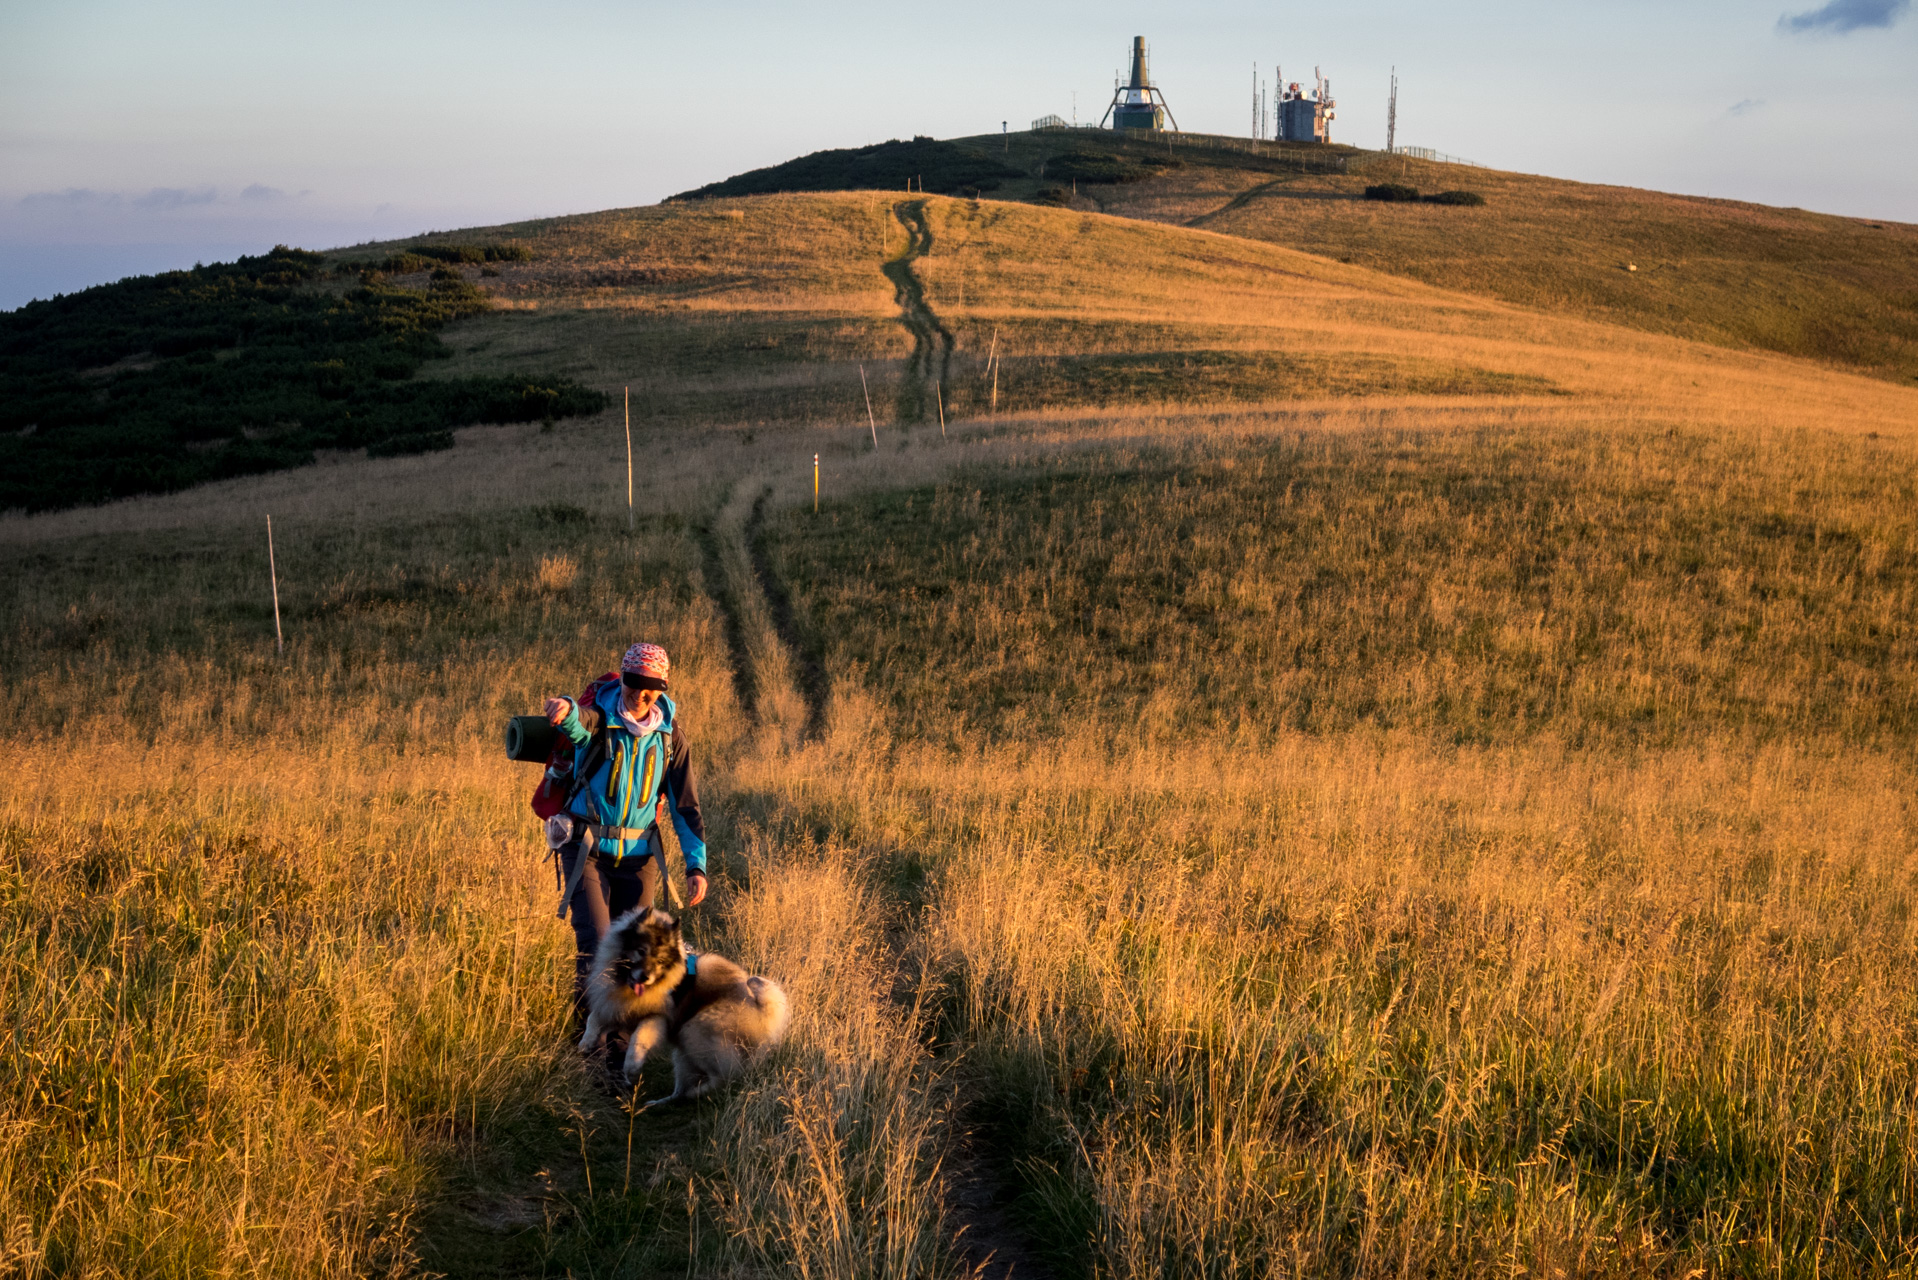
[[616, 833]]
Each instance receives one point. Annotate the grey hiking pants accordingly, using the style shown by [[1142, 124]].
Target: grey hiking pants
[[606, 891]]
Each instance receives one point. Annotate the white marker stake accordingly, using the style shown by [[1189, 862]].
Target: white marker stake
[[870, 422], [629, 459], [273, 571], [992, 365]]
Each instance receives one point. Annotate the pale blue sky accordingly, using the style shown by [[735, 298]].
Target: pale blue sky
[[139, 136]]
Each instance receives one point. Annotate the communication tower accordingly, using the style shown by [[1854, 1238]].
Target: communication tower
[[1303, 119], [1392, 114], [1139, 104]]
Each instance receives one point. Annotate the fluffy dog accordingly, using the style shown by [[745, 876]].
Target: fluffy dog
[[716, 1016]]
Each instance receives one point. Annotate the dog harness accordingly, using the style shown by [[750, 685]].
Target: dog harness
[[686, 1004]]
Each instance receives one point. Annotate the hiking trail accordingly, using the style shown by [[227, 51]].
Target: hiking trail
[[783, 684], [932, 342]]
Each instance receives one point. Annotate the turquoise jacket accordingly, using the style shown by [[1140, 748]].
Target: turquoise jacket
[[625, 787]]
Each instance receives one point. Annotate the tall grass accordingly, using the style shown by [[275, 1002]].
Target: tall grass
[[283, 985], [1426, 835], [1412, 853]]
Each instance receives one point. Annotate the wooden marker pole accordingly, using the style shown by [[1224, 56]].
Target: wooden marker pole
[[629, 461], [273, 572], [939, 391], [815, 484], [870, 421]]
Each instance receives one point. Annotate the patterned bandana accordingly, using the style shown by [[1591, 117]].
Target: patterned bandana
[[648, 663]]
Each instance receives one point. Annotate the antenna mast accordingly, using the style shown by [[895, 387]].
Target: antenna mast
[[1392, 114]]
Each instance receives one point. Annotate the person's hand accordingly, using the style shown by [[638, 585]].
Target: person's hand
[[556, 709], [695, 888]]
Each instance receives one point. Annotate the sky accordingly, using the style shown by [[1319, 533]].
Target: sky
[[137, 137]]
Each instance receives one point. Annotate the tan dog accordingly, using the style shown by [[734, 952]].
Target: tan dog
[[716, 1016]]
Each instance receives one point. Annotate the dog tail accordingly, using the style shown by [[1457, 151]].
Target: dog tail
[[771, 1000]]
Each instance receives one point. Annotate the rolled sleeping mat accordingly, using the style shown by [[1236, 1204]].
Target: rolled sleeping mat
[[530, 738]]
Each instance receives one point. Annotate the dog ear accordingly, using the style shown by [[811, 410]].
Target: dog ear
[[671, 922]]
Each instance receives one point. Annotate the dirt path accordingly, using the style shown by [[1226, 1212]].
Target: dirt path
[[932, 342], [771, 662], [807, 667]]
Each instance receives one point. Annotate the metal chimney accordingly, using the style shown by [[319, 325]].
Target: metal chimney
[[1138, 64]]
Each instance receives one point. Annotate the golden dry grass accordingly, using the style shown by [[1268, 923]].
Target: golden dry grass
[[1478, 970], [1722, 271]]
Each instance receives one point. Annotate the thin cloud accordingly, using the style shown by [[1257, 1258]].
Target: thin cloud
[[175, 197], [1841, 16], [71, 198], [1746, 107], [259, 191]]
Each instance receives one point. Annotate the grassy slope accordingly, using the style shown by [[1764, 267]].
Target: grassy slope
[[1427, 850], [1842, 290], [759, 311], [1428, 1002]]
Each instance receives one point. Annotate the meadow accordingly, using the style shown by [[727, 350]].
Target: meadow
[[1341, 831]]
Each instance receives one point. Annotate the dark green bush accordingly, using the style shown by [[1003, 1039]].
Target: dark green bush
[[1456, 197], [475, 253], [943, 167], [1094, 167], [162, 382], [1052, 196], [1391, 191], [427, 257], [418, 442]]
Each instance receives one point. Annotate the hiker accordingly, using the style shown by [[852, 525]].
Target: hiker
[[628, 756]]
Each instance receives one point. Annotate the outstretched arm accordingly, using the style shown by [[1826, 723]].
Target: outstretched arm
[[683, 793]]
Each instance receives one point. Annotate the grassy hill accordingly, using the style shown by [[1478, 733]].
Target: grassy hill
[[1841, 290], [1329, 774]]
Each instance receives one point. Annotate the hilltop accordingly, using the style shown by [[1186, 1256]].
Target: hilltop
[[1839, 290], [839, 307]]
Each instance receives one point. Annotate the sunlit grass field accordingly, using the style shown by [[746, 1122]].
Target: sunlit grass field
[[1413, 852], [1740, 275], [1377, 830]]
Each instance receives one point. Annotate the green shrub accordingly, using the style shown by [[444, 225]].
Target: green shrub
[[418, 442], [1056, 196], [427, 257], [930, 165], [302, 369], [1391, 191], [475, 253], [1094, 167], [1456, 197]]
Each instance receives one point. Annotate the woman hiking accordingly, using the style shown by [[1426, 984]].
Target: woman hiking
[[628, 753]]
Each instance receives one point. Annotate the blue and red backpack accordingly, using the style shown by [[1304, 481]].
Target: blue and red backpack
[[556, 783]]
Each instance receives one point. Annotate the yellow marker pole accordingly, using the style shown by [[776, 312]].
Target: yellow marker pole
[[629, 461], [815, 484], [940, 392]]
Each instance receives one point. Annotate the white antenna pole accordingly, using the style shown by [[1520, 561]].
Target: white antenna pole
[[273, 572], [629, 459], [870, 422], [1392, 115]]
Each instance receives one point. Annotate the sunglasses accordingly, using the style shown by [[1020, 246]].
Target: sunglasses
[[633, 680]]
